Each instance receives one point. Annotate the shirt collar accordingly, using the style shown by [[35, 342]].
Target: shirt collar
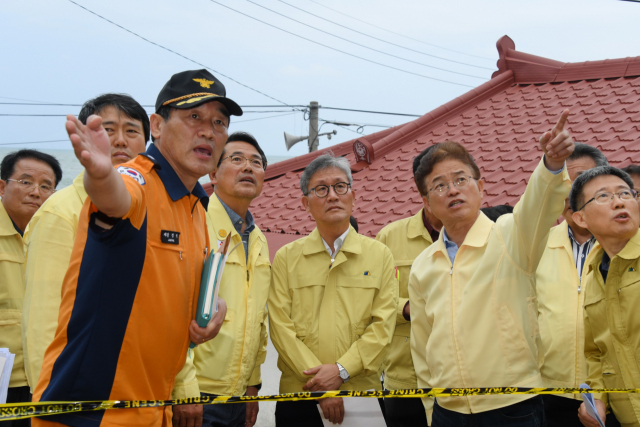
[[337, 244], [7, 226], [172, 183], [237, 220], [447, 242], [573, 239], [433, 233]]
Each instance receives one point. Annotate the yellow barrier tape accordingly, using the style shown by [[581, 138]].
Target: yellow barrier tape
[[18, 411]]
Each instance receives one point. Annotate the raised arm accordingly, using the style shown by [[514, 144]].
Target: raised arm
[[103, 183], [542, 202]]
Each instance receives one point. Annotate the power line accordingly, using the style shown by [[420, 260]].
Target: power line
[[33, 142], [33, 115], [364, 46], [372, 112], [176, 53], [338, 50], [264, 118], [382, 40], [401, 35], [243, 106]]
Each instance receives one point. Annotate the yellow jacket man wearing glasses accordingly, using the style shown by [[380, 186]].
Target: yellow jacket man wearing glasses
[[332, 303], [472, 296], [230, 364], [27, 179], [603, 200]]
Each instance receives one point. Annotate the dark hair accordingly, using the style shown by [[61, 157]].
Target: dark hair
[[448, 150], [631, 169], [495, 212], [8, 165], [121, 102], [249, 139], [416, 160], [354, 222], [576, 198], [585, 150]]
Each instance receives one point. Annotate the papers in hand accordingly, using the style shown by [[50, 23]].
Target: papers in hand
[[6, 366], [210, 283], [359, 412], [590, 404]]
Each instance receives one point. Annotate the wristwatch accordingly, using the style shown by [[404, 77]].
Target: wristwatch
[[343, 373]]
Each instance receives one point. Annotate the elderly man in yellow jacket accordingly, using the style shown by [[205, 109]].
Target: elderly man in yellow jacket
[[560, 292], [332, 303], [472, 296], [27, 179], [406, 238], [604, 201], [230, 364], [52, 230]]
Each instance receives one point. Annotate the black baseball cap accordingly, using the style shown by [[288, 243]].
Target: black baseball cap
[[189, 89]]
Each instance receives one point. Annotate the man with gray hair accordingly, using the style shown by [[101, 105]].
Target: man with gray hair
[[332, 302], [560, 292]]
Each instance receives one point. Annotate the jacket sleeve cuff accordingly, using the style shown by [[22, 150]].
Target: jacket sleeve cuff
[[400, 319], [352, 364], [186, 390], [256, 378]]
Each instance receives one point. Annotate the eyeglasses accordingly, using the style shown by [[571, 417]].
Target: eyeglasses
[[321, 191], [240, 161], [441, 188], [606, 197], [29, 186]]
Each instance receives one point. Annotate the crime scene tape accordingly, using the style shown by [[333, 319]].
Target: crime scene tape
[[18, 411]]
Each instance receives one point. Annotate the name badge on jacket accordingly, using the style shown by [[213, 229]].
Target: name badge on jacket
[[170, 237]]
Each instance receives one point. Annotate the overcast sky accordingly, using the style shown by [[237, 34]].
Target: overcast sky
[[54, 51]]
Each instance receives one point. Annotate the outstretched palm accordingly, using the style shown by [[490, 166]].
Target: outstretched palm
[[91, 145]]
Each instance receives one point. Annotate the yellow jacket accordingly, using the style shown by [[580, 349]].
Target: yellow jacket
[[406, 238], [322, 314], [560, 299], [229, 363], [474, 324], [11, 294], [612, 328], [48, 242]]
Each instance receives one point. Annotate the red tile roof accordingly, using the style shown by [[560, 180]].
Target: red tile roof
[[499, 123]]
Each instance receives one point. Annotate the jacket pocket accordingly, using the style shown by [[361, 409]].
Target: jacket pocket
[[619, 402], [10, 317], [522, 362]]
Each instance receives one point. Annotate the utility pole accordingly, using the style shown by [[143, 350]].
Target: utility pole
[[313, 126], [313, 137]]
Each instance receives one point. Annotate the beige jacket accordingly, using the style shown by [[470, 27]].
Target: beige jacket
[[474, 323]]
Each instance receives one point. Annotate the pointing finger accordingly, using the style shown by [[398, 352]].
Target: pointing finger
[[559, 127]]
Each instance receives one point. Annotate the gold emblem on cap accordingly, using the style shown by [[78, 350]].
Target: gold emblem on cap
[[222, 233], [199, 98], [204, 83]]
